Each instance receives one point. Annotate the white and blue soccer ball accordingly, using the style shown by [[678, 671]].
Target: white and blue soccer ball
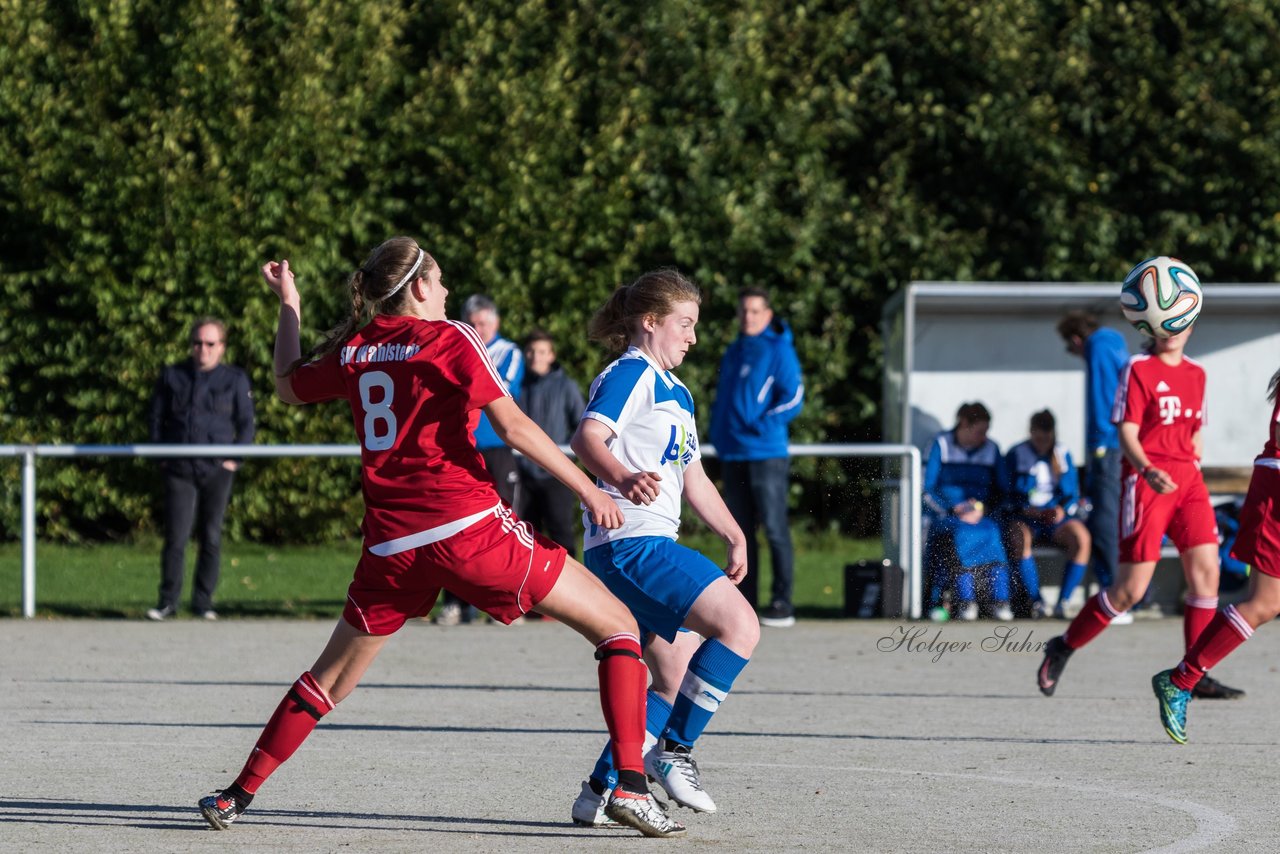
[[1161, 297]]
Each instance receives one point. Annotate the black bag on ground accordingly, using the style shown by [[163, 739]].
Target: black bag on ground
[[873, 588]]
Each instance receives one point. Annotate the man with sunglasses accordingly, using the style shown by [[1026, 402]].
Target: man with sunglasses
[[199, 401]]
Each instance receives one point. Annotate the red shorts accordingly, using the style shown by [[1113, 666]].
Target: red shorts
[[1258, 541], [499, 564], [1146, 516]]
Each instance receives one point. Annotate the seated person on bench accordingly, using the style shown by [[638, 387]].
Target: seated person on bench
[[1043, 499], [963, 482]]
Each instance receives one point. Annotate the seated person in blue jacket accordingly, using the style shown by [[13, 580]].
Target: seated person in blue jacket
[[1043, 499], [963, 482]]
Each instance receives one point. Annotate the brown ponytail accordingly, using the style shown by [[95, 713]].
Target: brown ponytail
[[655, 293], [374, 291]]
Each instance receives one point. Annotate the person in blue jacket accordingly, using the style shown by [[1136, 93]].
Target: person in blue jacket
[[963, 486], [1105, 357], [1043, 499], [760, 391]]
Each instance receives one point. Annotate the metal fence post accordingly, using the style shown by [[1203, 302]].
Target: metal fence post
[[910, 547], [29, 532]]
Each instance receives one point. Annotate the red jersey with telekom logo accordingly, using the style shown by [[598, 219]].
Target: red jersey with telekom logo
[[415, 388], [1269, 450], [1167, 404]]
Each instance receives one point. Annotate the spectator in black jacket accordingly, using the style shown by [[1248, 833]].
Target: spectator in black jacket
[[198, 402], [554, 402]]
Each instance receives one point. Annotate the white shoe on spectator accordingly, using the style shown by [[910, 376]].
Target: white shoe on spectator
[[450, 614], [160, 614], [969, 612], [779, 615], [1002, 612]]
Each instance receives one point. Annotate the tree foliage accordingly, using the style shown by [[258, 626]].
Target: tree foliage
[[153, 155]]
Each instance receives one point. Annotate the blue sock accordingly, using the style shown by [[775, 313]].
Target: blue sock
[[656, 713], [998, 578], [965, 591], [1030, 576], [1071, 578], [939, 582], [710, 676]]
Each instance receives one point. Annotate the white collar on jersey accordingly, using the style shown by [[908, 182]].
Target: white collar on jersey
[[666, 376]]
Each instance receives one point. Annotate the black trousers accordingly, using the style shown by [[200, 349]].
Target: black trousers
[[501, 463], [755, 492], [550, 507], [198, 505]]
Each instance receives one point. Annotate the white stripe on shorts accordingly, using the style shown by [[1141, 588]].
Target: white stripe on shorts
[[431, 535], [1128, 506]]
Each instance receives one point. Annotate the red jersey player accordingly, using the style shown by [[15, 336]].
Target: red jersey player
[[1257, 544], [1159, 408], [416, 383]]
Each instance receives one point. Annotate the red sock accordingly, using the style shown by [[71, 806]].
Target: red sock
[[294, 719], [1095, 616], [1225, 632], [1197, 613], [623, 681]]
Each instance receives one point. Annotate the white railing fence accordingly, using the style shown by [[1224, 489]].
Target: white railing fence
[[907, 509]]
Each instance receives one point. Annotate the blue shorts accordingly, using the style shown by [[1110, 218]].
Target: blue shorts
[[656, 577], [976, 545], [1042, 532]]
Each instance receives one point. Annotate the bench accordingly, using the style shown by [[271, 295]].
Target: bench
[[1168, 584]]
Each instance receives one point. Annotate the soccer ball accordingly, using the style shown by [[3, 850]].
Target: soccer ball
[[1161, 297]]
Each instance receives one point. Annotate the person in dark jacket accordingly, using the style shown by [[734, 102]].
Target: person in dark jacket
[[1105, 357], [198, 402], [553, 401], [759, 393]]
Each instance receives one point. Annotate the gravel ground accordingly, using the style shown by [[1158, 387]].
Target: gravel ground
[[848, 736]]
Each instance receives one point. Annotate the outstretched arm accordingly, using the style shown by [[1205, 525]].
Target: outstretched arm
[[705, 500], [288, 347], [518, 430], [588, 442]]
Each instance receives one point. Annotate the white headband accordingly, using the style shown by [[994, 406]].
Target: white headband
[[407, 276]]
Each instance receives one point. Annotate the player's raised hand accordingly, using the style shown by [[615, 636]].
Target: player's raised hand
[[280, 279], [640, 487], [604, 511]]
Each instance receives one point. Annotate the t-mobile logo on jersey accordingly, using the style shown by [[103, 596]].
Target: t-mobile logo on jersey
[[1170, 406]]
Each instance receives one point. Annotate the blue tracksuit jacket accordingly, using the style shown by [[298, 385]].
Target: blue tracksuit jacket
[[759, 392]]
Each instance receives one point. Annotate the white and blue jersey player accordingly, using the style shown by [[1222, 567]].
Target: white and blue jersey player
[[1043, 501], [639, 438], [963, 484]]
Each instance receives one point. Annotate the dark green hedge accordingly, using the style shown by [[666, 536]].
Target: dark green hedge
[[153, 154]]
